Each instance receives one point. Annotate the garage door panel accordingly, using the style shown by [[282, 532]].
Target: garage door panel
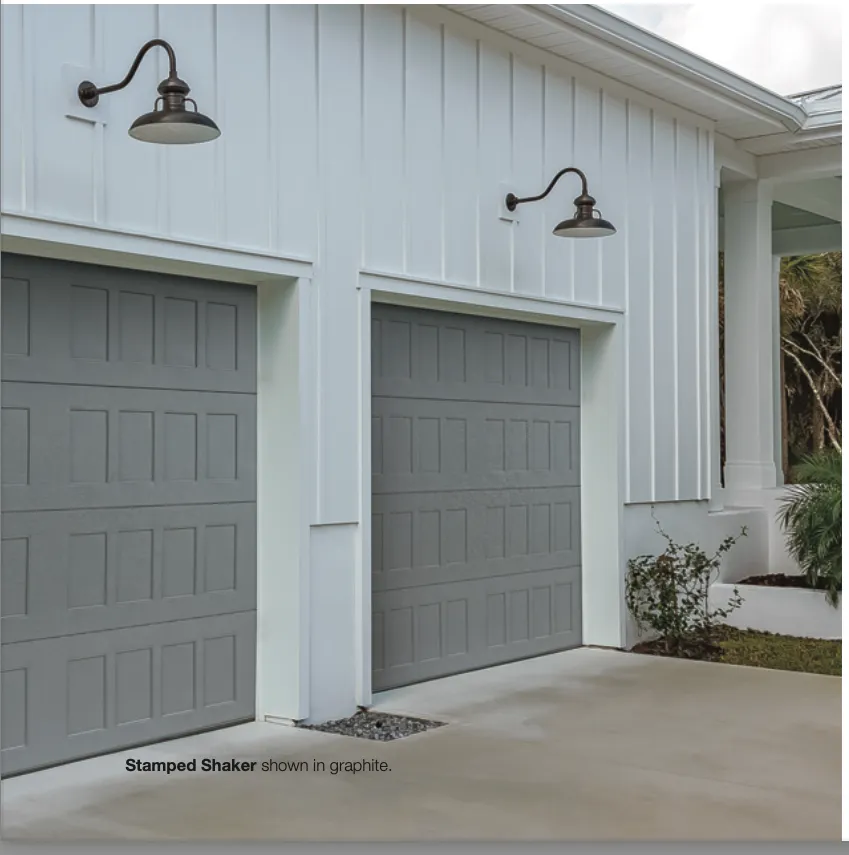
[[475, 492], [77, 323], [103, 691], [447, 356], [438, 445], [427, 538], [129, 508], [88, 446], [444, 629], [85, 571]]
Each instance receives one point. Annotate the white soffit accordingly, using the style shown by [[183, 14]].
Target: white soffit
[[760, 121]]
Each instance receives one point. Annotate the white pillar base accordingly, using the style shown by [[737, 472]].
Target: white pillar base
[[749, 476]]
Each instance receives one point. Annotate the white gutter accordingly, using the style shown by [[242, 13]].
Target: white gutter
[[619, 33], [818, 121]]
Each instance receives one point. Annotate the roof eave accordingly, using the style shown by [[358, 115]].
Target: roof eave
[[629, 38]]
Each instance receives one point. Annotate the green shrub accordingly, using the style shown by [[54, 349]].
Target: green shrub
[[811, 516], [668, 593]]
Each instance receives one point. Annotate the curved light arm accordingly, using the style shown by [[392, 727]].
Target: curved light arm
[[89, 93], [511, 200]]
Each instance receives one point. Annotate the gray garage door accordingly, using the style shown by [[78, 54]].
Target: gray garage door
[[129, 515], [475, 509]]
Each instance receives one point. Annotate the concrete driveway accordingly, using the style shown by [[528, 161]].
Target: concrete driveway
[[584, 745]]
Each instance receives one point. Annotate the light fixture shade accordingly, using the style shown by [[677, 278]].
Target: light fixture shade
[[586, 222], [174, 127], [584, 227]]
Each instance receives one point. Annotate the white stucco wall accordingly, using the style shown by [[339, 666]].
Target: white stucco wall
[[374, 145], [785, 611]]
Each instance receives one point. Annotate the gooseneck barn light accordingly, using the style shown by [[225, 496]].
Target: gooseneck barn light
[[586, 223], [171, 123]]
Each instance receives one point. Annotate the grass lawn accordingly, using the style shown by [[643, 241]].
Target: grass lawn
[[762, 650], [784, 652]]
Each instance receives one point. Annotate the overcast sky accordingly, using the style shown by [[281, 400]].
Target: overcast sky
[[788, 47]]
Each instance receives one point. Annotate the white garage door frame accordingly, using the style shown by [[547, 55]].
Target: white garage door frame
[[603, 389], [283, 385]]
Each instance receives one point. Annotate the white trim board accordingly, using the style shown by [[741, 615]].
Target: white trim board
[[602, 444], [455, 297], [69, 241], [285, 409]]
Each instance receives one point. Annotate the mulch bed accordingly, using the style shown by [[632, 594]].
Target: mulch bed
[[384, 727], [757, 649], [782, 580], [708, 651]]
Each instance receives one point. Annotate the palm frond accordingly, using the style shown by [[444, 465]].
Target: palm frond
[[822, 467], [811, 514]]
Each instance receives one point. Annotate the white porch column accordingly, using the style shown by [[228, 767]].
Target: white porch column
[[751, 339]]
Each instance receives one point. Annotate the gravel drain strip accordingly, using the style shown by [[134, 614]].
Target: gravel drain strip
[[381, 726]]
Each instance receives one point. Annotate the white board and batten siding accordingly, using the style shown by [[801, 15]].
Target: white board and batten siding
[[381, 139]]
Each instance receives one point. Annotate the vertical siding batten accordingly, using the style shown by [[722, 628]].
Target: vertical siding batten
[[573, 269], [405, 251], [478, 200], [697, 306], [651, 295], [321, 236], [626, 246], [676, 402], [318, 337], [713, 255], [272, 132], [442, 157], [713, 211], [28, 125], [221, 146], [543, 236], [363, 157], [599, 245], [511, 123]]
